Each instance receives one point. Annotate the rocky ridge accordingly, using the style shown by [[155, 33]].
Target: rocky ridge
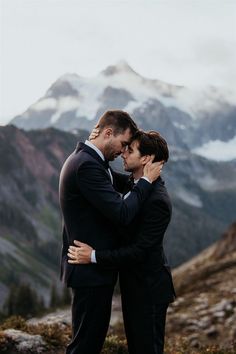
[[205, 308]]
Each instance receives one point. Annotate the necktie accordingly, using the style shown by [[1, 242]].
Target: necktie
[[129, 186], [106, 164], [130, 183]]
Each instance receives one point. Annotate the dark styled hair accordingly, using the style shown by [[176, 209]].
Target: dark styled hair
[[118, 120], [152, 143]]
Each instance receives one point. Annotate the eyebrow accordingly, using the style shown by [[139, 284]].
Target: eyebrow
[[125, 143]]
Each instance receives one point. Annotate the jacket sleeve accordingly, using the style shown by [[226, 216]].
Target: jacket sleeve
[[120, 181], [150, 234], [95, 185]]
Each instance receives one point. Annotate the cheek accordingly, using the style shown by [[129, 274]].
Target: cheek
[[118, 146], [129, 158]]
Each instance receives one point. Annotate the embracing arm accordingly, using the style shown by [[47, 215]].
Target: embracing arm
[[120, 181], [150, 233], [95, 186]]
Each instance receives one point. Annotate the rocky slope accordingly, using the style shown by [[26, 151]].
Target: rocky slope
[[201, 320], [29, 212], [205, 309]]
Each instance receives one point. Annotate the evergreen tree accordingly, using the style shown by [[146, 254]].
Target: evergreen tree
[[54, 298], [66, 297], [22, 301]]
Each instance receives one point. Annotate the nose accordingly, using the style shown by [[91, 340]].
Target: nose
[[123, 154], [123, 149]]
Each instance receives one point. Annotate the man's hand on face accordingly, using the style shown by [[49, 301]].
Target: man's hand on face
[[152, 170], [80, 253]]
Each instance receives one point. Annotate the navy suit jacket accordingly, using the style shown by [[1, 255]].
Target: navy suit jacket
[[144, 271], [92, 212]]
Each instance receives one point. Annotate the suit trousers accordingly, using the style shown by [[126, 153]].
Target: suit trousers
[[91, 311], [144, 326]]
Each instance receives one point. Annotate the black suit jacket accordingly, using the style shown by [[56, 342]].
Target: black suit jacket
[[92, 209], [144, 270]]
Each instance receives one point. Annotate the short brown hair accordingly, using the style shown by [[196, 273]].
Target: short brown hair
[[118, 120], [152, 143]]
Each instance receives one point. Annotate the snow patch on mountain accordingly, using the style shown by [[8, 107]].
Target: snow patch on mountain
[[189, 197], [218, 150], [45, 104], [64, 104]]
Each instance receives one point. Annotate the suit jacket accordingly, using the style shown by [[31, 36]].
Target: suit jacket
[[144, 271], [92, 209]]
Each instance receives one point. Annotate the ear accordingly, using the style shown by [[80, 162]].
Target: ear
[[145, 159], [108, 132]]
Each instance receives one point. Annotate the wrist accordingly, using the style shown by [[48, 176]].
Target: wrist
[[147, 179]]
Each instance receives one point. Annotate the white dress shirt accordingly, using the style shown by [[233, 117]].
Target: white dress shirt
[[95, 148]]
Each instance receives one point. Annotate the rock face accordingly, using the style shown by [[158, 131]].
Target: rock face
[[205, 309], [30, 228], [24, 342]]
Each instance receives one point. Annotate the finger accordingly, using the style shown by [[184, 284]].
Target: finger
[[71, 256], [73, 249], [72, 262], [71, 252], [78, 243], [149, 163], [152, 157]]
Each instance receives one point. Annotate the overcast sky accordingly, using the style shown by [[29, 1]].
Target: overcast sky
[[187, 42]]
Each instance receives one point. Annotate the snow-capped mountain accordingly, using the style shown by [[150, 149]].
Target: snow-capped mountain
[[189, 119]]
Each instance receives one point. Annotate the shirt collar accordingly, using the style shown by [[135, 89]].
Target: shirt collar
[[92, 146]]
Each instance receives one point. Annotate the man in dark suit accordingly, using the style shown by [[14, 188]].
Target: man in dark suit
[[145, 278], [92, 209]]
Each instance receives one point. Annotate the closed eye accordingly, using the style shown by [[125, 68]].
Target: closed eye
[[124, 143]]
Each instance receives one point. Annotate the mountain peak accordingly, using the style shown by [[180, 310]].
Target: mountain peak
[[121, 67]]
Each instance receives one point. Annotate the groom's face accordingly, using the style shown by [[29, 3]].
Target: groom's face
[[117, 145], [132, 157]]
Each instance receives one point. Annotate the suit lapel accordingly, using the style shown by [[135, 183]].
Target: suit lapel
[[81, 146], [90, 151]]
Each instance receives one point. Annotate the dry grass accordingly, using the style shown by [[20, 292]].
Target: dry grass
[[57, 337]]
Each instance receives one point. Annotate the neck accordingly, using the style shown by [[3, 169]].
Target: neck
[[138, 174], [98, 144]]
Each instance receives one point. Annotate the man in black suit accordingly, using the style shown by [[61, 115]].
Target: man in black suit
[[92, 209], [145, 278]]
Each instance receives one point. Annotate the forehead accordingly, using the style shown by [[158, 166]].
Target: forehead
[[125, 137], [134, 145]]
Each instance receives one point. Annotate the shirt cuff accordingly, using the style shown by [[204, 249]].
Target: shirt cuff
[[93, 257], [146, 179]]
